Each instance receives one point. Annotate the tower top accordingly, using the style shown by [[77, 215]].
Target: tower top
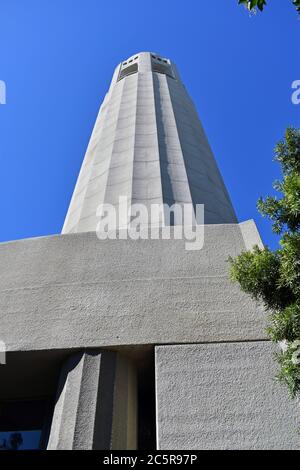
[[154, 55], [144, 62]]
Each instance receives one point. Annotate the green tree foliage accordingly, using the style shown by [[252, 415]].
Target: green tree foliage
[[252, 5], [274, 277]]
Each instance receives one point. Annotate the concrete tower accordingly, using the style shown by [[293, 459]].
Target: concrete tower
[[147, 145], [125, 344]]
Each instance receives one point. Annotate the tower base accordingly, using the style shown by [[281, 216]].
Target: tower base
[[121, 302]]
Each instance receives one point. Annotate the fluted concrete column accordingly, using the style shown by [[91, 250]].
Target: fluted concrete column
[[96, 403], [148, 147]]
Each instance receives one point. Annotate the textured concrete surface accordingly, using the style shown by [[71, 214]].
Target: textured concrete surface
[[223, 396], [74, 291], [89, 414], [148, 145]]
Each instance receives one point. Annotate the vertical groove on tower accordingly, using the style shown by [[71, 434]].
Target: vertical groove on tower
[[146, 183], [119, 181], [204, 179], [173, 173], [84, 179]]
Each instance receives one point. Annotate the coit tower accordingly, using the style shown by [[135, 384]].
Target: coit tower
[[124, 343], [148, 147]]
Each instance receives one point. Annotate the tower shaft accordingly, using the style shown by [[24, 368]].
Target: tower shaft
[[149, 147]]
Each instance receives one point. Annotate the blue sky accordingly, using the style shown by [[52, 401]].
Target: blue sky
[[57, 59]]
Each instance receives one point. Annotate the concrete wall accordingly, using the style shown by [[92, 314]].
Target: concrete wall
[[74, 291], [223, 396]]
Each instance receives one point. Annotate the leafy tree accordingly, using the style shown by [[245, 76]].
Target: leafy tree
[[274, 277], [252, 5]]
